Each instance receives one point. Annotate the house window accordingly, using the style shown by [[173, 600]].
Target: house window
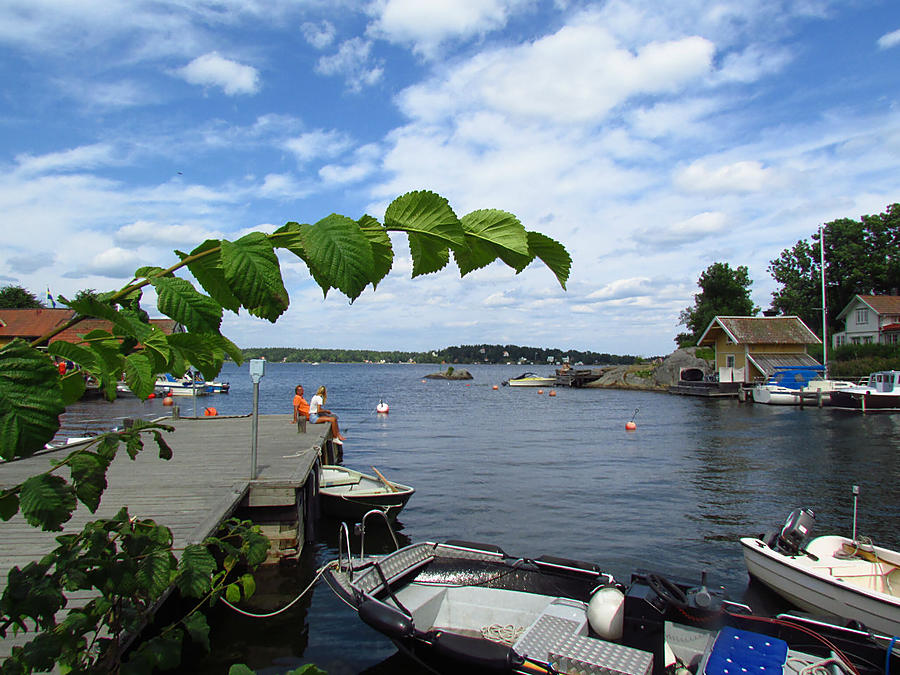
[[729, 361], [854, 340], [862, 316], [890, 338], [867, 340]]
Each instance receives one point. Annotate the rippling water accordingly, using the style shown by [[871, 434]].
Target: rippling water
[[559, 475]]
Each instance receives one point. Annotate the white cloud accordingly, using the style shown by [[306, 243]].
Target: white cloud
[[212, 70], [114, 262], [670, 118], [685, 231], [889, 40], [147, 231], [83, 157], [425, 25], [499, 299], [622, 289], [753, 63], [365, 163], [353, 62], [282, 186], [318, 144], [700, 176], [318, 35]]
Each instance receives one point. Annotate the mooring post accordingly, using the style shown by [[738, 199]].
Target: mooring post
[[257, 372]]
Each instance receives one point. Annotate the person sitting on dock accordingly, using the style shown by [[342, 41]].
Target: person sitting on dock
[[319, 414], [301, 409]]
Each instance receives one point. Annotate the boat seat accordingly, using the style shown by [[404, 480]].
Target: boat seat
[[559, 636], [736, 652]]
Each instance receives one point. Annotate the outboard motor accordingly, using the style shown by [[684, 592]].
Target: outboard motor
[[795, 533]]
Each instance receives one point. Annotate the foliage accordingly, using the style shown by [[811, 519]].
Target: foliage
[[861, 257], [723, 292], [707, 353], [130, 562], [16, 297]]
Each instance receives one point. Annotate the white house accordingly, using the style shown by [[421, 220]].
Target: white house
[[869, 319]]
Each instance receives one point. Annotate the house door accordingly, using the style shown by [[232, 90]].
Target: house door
[[728, 373]]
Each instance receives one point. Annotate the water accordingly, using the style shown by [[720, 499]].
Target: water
[[559, 475]]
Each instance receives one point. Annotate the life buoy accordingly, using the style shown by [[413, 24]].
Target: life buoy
[[210, 412]]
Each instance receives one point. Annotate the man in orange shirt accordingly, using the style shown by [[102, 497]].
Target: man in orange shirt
[[301, 409]]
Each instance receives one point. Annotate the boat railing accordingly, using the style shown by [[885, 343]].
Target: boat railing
[[362, 532], [344, 536]]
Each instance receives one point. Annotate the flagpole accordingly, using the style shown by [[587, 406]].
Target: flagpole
[[824, 305]]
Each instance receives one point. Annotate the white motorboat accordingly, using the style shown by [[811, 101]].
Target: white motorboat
[[530, 380], [192, 384], [830, 574], [348, 494], [796, 385], [880, 393]]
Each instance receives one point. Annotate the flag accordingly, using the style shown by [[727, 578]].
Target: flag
[[50, 298]]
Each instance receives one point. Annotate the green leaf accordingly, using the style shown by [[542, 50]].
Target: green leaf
[[340, 252], [248, 584], [83, 356], [139, 375], [194, 571], [124, 323], [30, 400], [157, 349], [155, 572], [207, 269], [165, 452], [233, 593], [491, 234], [252, 272], [292, 236], [432, 228], [89, 477], [9, 504], [148, 271], [382, 250], [197, 628], [200, 350], [47, 501], [178, 299], [553, 254], [72, 386], [240, 669], [222, 343]]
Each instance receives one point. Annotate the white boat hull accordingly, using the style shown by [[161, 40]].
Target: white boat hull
[[533, 382], [848, 587]]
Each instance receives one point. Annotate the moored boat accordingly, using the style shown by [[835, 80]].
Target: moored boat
[[530, 380], [459, 607], [795, 385], [880, 393], [347, 494], [192, 384], [828, 574]]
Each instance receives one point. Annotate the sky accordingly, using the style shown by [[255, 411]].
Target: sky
[[651, 138]]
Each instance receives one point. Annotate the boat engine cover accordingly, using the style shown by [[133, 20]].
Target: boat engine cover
[[796, 531]]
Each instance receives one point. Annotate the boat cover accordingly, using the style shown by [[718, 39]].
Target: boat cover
[[741, 651]]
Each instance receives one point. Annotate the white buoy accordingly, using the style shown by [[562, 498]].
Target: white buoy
[[606, 613], [382, 407]]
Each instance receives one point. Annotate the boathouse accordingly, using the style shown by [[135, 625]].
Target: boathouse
[[30, 324], [748, 348]]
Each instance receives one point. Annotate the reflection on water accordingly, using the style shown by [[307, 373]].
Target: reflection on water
[[560, 475]]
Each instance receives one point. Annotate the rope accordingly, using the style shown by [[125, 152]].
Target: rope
[[504, 634], [293, 602]]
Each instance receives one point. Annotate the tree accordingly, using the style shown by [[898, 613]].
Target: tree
[[16, 297], [340, 253], [723, 292], [861, 257]]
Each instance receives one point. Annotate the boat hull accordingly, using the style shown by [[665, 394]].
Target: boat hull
[[533, 382], [866, 401], [815, 586], [348, 495]]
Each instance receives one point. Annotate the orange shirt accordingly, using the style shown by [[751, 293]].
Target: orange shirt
[[301, 407]]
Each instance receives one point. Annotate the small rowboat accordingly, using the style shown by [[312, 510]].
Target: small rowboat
[[347, 494]]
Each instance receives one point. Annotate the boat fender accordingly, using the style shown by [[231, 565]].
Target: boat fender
[[386, 619], [606, 613], [476, 652]]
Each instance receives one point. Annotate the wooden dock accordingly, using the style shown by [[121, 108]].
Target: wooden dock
[[207, 478]]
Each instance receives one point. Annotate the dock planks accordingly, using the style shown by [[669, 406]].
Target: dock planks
[[191, 494]]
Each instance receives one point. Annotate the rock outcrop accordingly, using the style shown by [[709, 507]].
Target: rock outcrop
[[451, 374], [652, 376]]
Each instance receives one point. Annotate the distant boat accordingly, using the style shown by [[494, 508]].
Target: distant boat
[[192, 384], [881, 393], [793, 385], [530, 380]]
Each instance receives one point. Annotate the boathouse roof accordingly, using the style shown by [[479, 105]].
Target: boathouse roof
[[30, 324], [759, 330]]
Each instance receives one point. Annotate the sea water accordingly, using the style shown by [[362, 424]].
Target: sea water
[[539, 474]]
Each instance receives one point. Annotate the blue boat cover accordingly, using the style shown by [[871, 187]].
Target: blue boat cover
[[737, 652], [795, 377]]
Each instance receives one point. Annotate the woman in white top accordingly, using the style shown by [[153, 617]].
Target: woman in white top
[[318, 414]]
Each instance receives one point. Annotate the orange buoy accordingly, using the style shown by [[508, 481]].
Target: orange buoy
[[630, 426], [553, 392], [423, 381], [167, 400], [382, 407], [540, 391], [495, 387], [210, 412], [151, 395]]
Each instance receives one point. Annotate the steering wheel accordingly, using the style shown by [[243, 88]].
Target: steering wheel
[[667, 590]]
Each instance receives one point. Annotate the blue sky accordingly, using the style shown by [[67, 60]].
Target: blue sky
[[651, 138]]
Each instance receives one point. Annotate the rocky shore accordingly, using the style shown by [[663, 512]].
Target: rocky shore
[[652, 376]]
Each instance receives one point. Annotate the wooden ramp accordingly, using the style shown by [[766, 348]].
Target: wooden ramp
[[191, 494]]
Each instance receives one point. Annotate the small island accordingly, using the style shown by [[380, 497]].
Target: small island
[[451, 374]]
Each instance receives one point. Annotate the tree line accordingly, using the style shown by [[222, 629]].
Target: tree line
[[861, 257]]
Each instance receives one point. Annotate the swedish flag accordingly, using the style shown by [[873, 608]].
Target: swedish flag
[[50, 298]]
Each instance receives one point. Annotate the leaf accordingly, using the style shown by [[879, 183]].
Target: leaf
[[178, 299], [341, 253], [125, 323], [553, 254], [240, 669], [233, 593], [83, 356], [148, 271], [292, 236], [139, 375], [155, 572], [491, 234], [382, 250], [432, 228], [89, 477], [9, 505], [251, 270], [47, 501], [72, 387], [194, 571], [207, 270], [30, 400], [227, 347], [248, 585], [197, 628], [200, 350], [165, 452], [157, 349]]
